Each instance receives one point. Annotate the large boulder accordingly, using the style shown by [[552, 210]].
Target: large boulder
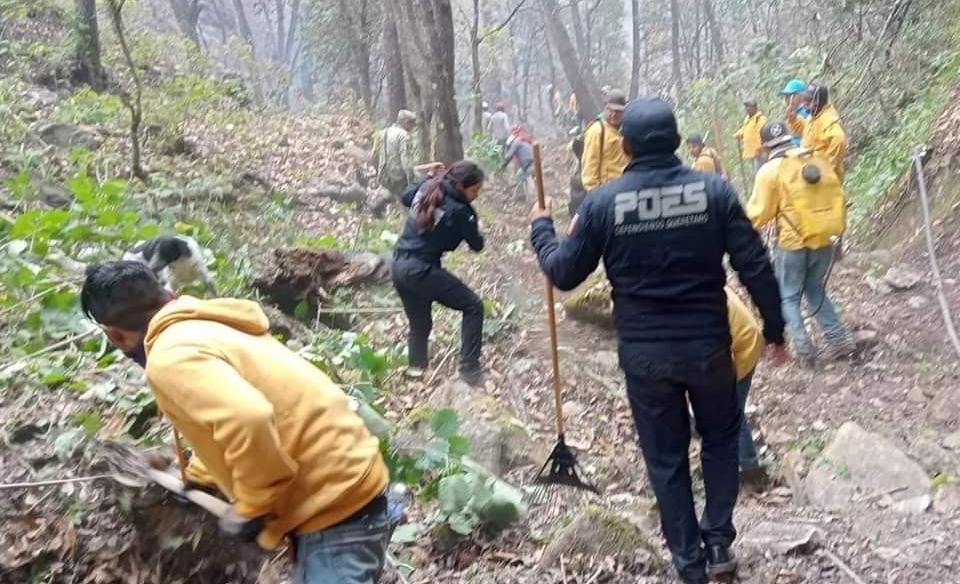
[[599, 532], [70, 136], [863, 466], [498, 440], [947, 499], [592, 303], [783, 537]]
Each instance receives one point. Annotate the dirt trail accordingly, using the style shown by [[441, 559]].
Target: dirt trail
[[903, 349]]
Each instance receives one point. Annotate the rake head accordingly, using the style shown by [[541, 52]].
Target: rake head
[[561, 468]]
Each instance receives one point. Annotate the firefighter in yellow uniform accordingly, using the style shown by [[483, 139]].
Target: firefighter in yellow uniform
[[749, 135], [797, 189], [822, 132], [746, 340], [705, 159], [603, 157]]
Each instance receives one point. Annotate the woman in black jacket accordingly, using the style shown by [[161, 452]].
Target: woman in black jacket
[[440, 218]]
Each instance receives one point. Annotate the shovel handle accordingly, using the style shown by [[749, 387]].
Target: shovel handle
[[551, 310], [217, 507]]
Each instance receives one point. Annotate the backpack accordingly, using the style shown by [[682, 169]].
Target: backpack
[[816, 195], [579, 141]]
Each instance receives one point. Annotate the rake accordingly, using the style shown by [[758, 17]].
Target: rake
[[561, 467]]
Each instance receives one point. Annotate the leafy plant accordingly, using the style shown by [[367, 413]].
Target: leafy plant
[[486, 152], [474, 500]]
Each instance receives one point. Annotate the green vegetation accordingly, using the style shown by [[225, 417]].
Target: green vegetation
[[882, 161]]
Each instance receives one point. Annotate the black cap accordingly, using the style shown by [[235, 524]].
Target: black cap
[[774, 134], [649, 127], [695, 139]]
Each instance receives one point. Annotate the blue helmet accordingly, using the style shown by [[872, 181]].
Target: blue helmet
[[793, 87]]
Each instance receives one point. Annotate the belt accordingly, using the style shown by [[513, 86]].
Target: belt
[[376, 505]]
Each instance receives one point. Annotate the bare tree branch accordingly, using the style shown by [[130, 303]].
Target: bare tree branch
[[487, 34]]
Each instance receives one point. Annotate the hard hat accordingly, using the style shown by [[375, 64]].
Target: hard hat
[[774, 134]]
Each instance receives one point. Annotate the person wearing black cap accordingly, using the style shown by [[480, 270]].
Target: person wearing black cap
[[662, 231], [705, 159]]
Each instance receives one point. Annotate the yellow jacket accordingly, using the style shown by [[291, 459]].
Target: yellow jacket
[[769, 202], [603, 157], [749, 135], [708, 162], [745, 334], [823, 133], [273, 432]]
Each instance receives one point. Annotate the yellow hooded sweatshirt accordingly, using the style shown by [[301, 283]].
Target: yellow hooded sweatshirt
[[745, 335], [823, 133], [274, 432]]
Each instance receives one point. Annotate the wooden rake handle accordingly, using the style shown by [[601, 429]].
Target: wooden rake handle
[[551, 311]]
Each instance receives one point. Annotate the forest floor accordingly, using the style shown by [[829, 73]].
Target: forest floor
[[901, 386]]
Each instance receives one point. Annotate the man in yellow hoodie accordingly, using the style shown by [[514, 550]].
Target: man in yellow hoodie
[[822, 132], [746, 338], [603, 158], [273, 432]]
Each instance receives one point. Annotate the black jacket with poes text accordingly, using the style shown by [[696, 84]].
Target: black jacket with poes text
[[662, 230], [454, 221]]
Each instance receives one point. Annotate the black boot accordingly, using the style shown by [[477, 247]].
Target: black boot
[[720, 560], [472, 375]]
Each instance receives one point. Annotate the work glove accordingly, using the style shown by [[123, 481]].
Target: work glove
[[243, 528]]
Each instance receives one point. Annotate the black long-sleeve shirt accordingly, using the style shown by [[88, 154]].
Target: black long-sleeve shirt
[[662, 231], [454, 221]]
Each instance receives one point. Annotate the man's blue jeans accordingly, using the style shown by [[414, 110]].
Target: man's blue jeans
[[801, 276], [746, 451], [348, 553]]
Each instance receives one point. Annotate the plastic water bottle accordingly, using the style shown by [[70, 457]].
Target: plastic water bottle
[[397, 498]]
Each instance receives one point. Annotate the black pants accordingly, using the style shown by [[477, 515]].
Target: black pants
[[420, 284], [656, 387]]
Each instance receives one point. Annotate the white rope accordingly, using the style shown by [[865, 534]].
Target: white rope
[[934, 264]]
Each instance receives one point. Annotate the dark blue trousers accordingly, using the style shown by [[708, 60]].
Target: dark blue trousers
[[658, 384]]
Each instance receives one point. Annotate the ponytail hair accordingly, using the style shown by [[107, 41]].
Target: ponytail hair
[[464, 172]]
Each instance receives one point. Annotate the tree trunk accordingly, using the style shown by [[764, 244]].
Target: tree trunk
[[475, 62], [635, 61], [134, 104], [439, 16], [578, 74], [279, 50], [417, 63], [187, 14], [292, 29], [393, 62], [581, 37], [716, 33], [677, 80], [88, 68], [359, 49], [243, 24]]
